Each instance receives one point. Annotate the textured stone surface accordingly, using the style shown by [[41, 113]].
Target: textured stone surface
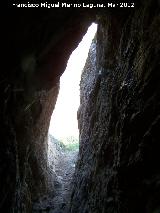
[[119, 118], [39, 45], [61, 168], [118, 168]]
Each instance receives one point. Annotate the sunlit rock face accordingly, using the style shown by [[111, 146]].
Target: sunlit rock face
[[119, 118]]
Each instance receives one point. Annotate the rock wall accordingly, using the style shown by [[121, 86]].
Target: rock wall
[[38, 47], [119, 117]]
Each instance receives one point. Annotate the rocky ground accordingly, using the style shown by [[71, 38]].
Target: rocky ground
[[62, 166]]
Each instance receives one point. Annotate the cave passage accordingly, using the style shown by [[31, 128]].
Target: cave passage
[[117, 169], [63, 130], [63, 137]]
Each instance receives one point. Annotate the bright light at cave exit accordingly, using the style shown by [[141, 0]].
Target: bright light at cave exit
[[64, 118]]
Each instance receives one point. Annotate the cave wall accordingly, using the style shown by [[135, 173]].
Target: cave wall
[[38, 47], [118, 167], [119, 117]]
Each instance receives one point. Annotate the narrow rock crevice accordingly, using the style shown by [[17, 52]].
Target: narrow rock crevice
[[118, 168]]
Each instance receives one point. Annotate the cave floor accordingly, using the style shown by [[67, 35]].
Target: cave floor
[[57, 202]]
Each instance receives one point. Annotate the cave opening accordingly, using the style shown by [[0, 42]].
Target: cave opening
[[63, 133], [63, 124], [63, 129]]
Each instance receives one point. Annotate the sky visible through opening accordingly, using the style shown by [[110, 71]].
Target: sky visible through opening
[[64, 123]]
